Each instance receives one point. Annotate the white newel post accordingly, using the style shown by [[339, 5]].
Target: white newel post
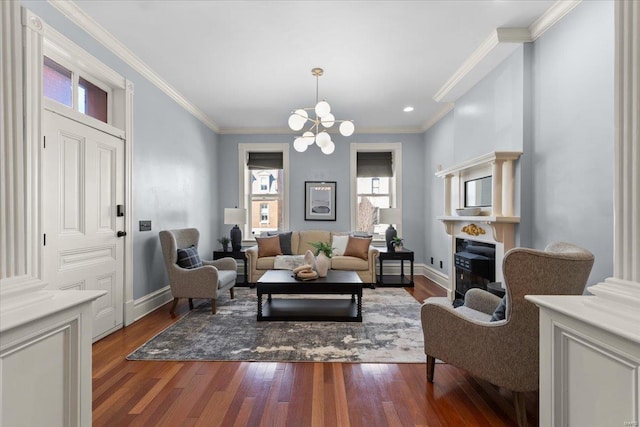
[[590, 345]]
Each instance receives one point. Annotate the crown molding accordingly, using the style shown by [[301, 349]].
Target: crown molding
[[287, 131], [495, 48], [76, 15]]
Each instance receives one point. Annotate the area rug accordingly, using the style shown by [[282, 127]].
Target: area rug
[[391, 332]]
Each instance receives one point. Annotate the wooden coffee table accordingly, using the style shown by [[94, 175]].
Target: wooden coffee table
[[281, 282]]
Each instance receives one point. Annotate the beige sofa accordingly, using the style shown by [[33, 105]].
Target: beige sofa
[[300, 240]]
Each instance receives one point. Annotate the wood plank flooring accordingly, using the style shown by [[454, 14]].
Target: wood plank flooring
[[141, 393]]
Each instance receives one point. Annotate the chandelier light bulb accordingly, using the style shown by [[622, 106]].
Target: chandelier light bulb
[[309, 138], [328, 120], [347, 128], [300, 145], [323, 139], [323, 108], [298, 119], [329, 148]]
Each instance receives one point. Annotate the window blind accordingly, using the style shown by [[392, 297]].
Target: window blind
[[265, 160], [374, 164]]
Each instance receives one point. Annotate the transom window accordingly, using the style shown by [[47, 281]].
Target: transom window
[[61, 83]]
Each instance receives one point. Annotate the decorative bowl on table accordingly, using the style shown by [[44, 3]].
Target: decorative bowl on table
[[468, 211]]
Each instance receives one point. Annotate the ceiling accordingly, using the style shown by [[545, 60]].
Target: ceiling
[[247, 64]]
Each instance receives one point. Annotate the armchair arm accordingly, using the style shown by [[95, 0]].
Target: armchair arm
[[194, 283], [480, 300], [226, 263]]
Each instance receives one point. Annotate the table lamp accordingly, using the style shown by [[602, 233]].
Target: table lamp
[[235, 216], [390, 216]]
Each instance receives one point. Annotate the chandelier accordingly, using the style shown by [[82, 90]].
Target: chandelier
[[317, 131]]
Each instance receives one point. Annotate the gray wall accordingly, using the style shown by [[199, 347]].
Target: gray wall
[[312, 165], [573, 134], [552, 99], [173, 172]]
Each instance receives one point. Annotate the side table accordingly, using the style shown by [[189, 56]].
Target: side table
[[399, 254], [237, 255]]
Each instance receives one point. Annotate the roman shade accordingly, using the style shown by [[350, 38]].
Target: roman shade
[[374, 164], [265, 160]]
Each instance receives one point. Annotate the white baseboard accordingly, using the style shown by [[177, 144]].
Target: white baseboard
[[436, 276], [137, 309]]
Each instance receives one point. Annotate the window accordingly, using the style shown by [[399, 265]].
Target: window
[[60, 83], [376, 177], [263, 187]]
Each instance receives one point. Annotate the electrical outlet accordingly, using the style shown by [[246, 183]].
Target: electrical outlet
[[441, 264], [145, 225], [431, 260]]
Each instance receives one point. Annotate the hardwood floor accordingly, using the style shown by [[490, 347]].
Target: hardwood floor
[[140, 393]]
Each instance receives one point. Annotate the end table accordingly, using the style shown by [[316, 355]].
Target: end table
[[237, 255], [399, 254]]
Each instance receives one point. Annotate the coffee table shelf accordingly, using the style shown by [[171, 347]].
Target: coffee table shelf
[[280, 282]]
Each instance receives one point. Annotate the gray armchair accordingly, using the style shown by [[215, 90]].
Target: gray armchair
[[504, 352], [208, 281]]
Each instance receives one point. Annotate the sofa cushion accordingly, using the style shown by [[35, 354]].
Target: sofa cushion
[[313, 236], [358, 247], [226, 277], [268, 246], [339, 244], [285, 240], [265, 263], [189, 258], [349, 263]]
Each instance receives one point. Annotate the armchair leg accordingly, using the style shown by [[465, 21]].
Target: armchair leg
[[521, 409], [232, 292], [213, 306], [431, 364], [173, 306], [190, 303]]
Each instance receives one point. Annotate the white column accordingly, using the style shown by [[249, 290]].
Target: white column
[[508, 193], [447, 195], [496, 188]]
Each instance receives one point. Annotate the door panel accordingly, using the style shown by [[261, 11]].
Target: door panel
[[83, 183]]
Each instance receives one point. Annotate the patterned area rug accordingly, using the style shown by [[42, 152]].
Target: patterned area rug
[[390, 332]]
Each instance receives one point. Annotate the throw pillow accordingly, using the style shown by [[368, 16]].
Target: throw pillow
[[285, 241], [358, 247], [500, 311], [268, 246], [339, 244], [189, 258]]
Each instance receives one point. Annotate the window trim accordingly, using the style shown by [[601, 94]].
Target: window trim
[[396, 179], [243, 183]]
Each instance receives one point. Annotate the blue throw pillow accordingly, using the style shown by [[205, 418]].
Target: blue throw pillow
[[500, 311], [189, 258]]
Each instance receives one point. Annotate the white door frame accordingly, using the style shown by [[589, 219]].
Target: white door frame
[[39, 38]]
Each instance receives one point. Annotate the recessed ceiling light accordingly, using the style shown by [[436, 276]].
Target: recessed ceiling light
[[408, 109]]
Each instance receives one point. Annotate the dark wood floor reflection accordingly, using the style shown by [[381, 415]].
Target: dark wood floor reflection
[[286, 394]]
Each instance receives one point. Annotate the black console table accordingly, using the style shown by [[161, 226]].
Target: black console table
[[399, 254], [237, 255]]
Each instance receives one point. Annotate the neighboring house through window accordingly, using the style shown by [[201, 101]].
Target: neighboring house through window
[[264, 185], [376, 182]]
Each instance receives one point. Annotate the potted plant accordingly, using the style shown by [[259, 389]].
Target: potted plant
[[224, 241], [324, 251], [397, 243]]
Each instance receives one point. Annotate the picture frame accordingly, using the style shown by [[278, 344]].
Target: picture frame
[[320, 200]]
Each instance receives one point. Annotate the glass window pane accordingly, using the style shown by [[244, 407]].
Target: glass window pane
[[57, 82], [266, 200], [92, 100]]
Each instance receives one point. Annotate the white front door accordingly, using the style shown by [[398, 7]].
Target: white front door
[[83, 184]]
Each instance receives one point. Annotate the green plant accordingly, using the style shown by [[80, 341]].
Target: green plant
[[224, 241], [396, 241], [323, 247]]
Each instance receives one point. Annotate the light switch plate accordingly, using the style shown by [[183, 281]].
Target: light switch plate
[[145, 225]]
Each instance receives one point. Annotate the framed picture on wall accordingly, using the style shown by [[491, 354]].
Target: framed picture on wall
[[320, 200]]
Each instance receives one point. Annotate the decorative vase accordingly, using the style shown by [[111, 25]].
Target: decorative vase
[[322, 264], [310, 259], [225, 248]]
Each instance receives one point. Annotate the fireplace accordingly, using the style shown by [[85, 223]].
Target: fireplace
[[474, 265]]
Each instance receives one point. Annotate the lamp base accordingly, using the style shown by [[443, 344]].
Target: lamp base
[[389, 235], [236, 238]]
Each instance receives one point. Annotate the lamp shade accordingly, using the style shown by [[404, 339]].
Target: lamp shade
[[235, 216], [390, 216]]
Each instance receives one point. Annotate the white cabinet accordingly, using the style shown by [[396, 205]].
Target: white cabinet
[[589, 364], [45, 360]]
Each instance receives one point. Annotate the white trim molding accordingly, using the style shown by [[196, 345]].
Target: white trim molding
[[89, 25], [496, 48], [137, 309]]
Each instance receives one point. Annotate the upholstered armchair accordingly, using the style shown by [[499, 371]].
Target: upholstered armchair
[[504, 352], [208, 281]]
